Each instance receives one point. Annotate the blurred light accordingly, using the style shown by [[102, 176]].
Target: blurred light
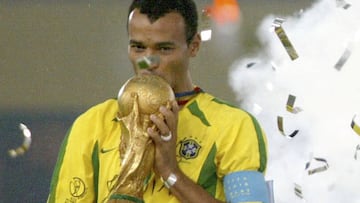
[[257, 109], [269, 86], [205, 35], [225, 11]]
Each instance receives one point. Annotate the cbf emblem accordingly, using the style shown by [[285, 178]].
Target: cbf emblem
[[189, 149]]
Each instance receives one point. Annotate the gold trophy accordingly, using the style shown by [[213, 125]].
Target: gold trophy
[[138, 98]]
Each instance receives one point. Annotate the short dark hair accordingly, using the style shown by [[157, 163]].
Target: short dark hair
[[155, 9]]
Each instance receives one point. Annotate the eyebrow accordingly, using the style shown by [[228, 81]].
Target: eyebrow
[[165, 44], [156, 44], [134, 42]]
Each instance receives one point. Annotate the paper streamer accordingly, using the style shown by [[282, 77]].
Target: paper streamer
[[356, 151], [344, 57], [343, 4], [298, 191], [281, 128], [25, 145], [354, 125], [324, 167], [290, 105], [280, 32]]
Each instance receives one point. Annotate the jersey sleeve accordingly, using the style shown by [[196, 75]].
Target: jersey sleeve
[[73, 176], [243, 162], [243, 147]]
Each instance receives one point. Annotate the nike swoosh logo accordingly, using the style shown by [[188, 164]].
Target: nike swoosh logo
[[102, 150]]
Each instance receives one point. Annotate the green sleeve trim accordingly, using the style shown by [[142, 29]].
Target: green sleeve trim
[[262, 146], [208, 178], [95, 164], [55, 177], [195, 110], [126, 197], [259, 133], [219, 101]]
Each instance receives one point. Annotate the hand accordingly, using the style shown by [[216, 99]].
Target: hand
[[165, 151]]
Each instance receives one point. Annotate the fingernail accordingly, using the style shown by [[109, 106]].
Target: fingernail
[[162, 108], [149, 130]]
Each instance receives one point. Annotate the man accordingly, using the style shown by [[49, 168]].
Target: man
[[215, 152]]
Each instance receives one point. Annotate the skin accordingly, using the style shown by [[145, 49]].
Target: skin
[[166, 38]]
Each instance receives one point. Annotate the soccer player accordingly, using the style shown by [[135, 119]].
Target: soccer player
[[212, 151]]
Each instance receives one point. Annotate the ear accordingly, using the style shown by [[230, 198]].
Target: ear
[[194, 45]]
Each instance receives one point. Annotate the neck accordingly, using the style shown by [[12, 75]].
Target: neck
[[183, 83], [183, 97]]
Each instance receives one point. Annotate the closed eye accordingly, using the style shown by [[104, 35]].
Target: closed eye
[[137, 47], [166, 48]]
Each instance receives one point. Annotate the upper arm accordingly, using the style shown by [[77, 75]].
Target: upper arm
[[243, 147], [243, 161], [246, 186], [73, 174]]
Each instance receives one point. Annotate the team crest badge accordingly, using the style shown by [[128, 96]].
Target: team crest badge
[[189, 149]]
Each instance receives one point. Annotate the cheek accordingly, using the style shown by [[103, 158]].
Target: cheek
[[181, 64], [172, 65], [177, 62], [132, 58]]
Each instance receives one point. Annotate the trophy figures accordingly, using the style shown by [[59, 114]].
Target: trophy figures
[[138, 98]]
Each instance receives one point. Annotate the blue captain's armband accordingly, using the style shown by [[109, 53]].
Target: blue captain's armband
[[245, 186]]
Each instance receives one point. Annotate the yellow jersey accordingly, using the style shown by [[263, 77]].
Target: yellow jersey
[[214, 139]]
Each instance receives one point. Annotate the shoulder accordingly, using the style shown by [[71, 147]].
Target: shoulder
[[220, 109], [237, 132], [106, 110]]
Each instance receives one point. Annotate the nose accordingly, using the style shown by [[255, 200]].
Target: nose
[[148, 62]]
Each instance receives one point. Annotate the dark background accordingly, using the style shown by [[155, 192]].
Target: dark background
[[58, 58]]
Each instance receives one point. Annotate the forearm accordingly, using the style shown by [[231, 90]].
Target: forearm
[[187, 191], [184, 189]]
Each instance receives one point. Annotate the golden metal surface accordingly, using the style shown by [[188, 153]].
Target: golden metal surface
[[153, 91], [139, 97]]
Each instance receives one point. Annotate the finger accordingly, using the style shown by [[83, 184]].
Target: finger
[[157, 137], [170, 114], [167, 137], [159, 123], [174, 106], [154, 134]]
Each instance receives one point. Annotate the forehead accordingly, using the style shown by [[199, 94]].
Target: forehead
[[170, 26]]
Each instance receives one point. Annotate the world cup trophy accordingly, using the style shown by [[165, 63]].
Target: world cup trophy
[[138, 98]]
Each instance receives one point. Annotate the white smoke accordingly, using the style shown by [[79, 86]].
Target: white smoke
[[329, 99]]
